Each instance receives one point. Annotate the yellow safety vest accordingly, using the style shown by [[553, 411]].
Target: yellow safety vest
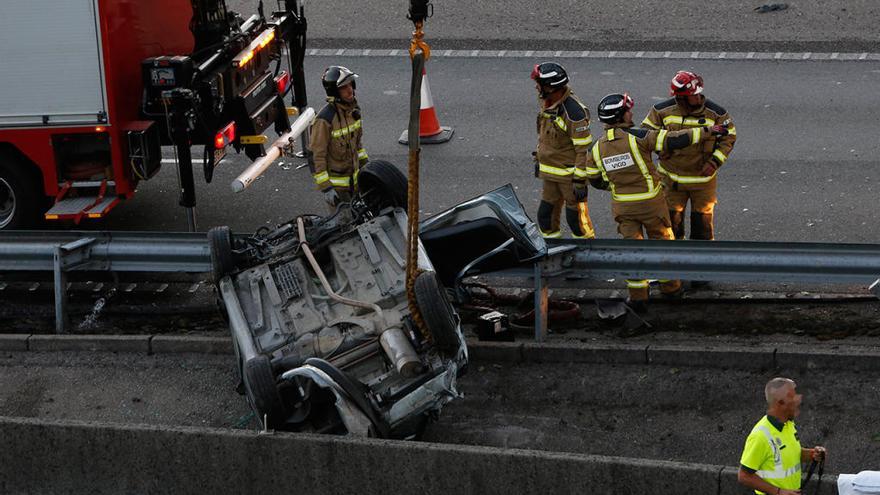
[[774, 455]]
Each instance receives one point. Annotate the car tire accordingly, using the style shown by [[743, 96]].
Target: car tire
[[382, 185], [222, 259], [21, 196], [437, 312], [238, 370], [262, 391]]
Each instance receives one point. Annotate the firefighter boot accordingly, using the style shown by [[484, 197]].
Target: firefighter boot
[[545, 220], [638, 295], [702, 228], [671, 289], [579, 221], [676, 218]]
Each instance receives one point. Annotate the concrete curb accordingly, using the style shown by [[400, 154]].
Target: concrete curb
[[569, 353], [806, 359], [14, 342], [111, 458], [172, 344], [109, 343], [729, 356]]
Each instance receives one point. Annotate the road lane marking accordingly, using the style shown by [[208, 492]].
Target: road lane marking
[[592, 54]]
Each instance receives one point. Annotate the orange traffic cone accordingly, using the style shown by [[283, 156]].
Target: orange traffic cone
[[430, 130]]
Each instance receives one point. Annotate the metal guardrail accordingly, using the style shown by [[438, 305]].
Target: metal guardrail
[[722, 261], [61, 252], [104, 251]]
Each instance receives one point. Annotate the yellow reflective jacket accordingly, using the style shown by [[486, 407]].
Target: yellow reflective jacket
[[563, 139], [335, 142], [684, 166], [622, 158]]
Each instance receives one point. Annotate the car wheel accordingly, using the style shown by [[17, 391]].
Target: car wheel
[[20, 197], [437, 312], [382, 185], [262, 391], [222, 260], [237, 375]]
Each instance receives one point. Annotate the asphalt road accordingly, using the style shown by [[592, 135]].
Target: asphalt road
[[806, 25], [804, 167]]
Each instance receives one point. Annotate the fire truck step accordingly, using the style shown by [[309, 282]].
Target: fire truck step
[[102, 208], [81, 206]]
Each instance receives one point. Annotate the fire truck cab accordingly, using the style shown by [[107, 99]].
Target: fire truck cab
[[92, 89]]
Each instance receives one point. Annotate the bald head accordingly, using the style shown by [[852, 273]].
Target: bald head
[[777, 389]]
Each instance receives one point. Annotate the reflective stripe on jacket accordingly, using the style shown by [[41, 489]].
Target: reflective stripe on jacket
[[563, 139], [622, 157], [335, 142], [774, 455], [685, 165]]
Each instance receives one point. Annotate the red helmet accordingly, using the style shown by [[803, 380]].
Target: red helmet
[[686, 83]]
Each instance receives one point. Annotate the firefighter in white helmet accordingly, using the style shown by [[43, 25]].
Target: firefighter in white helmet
[[336, 136]]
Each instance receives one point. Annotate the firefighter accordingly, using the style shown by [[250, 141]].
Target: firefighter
[[563, 143], [335, 139], [621, 161], [772, 456], [690, 174]]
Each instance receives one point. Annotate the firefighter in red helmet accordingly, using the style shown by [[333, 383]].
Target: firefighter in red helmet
[[621, 161], [690, 174]]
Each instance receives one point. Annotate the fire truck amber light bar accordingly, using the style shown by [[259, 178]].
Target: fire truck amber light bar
[[225, 136], [258, 44]]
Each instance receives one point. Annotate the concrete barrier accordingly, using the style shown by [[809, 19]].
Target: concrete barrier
[[74, 457], [729, 486]]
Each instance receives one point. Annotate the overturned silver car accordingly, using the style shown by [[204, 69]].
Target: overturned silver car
[[323, 336]]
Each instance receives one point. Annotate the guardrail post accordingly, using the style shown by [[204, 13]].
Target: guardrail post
[[65, 257], [541, 304], [60, 280]]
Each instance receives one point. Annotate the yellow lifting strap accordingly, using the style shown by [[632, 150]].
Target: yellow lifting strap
[[419, 51]]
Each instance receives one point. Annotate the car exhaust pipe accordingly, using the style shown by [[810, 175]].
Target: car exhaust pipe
[[393, 340]]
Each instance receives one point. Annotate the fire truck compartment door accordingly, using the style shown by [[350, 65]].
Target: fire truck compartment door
[[52, 64]]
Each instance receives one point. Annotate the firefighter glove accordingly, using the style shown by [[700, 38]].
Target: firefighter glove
[[535, 163], [330, 196], [580, 191]]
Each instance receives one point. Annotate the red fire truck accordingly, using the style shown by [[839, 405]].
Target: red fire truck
[[92, 89]]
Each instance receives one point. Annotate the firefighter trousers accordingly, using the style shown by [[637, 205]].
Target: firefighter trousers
[[559, 196], [702, 198], [636, 221]]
